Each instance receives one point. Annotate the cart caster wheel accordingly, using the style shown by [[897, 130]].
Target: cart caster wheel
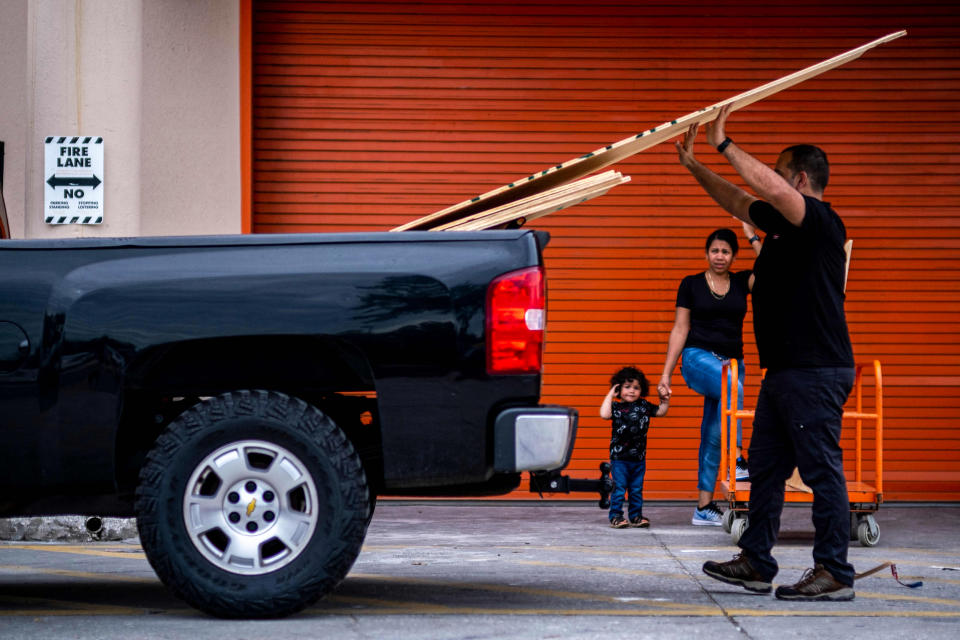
[[868, 531], [737, 528], [728, 519]]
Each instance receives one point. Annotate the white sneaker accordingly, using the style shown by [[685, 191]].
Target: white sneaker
[[743, 474], [709, 516]]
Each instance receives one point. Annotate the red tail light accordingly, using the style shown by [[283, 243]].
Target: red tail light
[[516, 317]]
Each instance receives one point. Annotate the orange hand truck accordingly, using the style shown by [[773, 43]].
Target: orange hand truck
[[864, 498]]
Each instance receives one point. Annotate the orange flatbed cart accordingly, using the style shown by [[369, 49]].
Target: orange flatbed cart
[[865, 498]]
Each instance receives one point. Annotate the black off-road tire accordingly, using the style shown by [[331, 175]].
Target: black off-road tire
[[228, 472]]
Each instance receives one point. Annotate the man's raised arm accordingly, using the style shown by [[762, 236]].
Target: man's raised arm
[[768, 184], [732, 198]]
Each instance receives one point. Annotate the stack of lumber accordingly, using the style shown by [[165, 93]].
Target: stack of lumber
[[521, 211], [527, 198]]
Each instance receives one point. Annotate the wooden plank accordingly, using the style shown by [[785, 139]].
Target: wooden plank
[[600, 158], [535, 199], [539, 205]]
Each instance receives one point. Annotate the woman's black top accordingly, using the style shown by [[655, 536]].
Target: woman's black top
[[716, 324]]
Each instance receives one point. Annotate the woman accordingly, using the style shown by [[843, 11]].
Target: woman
[[707, 332]]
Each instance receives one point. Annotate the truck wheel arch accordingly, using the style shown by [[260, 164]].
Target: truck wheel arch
[[165, 380]]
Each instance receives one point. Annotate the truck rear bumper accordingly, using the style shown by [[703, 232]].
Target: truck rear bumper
[[534, 438]]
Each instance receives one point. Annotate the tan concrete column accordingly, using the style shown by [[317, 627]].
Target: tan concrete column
[[84, 78], [13, 108]]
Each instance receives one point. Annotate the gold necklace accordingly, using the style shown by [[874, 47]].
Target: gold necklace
[[710, 286]]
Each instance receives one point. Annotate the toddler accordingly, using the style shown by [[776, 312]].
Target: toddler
[[630, 413]]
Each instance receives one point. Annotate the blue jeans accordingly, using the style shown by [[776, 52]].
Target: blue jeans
[[627, 480], [797, 424], [701, 370]]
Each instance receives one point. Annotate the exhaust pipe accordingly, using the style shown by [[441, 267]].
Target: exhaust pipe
[[94, 525]]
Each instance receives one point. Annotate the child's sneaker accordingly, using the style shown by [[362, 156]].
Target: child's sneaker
[[743, 474], [619, 522], [708, 516]]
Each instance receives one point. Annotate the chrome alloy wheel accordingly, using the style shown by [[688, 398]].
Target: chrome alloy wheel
[[250, 507]]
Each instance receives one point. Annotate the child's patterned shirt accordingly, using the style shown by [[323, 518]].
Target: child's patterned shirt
[[631, 421]]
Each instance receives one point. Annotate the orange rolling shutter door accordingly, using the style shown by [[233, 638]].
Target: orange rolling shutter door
[[368, 115]]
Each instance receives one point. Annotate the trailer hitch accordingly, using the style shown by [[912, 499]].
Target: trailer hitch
[[555, 482]]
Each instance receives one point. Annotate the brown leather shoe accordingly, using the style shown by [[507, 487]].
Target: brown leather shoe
[[816, 584], [739, 572]]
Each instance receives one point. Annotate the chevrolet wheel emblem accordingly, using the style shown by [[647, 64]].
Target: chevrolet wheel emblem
[[251, 507]]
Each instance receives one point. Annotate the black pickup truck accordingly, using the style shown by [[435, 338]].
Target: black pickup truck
[[247, 398]]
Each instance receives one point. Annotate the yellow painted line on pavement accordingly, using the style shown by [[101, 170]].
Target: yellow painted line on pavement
[[16, 568], [375, 606], [394, 607], [61, 608], [135, 553], [578, 549], [641, 572], [536, 591], [823, 612], [907, 598]]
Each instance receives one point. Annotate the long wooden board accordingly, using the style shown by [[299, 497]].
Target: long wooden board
[[605, 156], [531, 200], [518, 207], [539, 205]]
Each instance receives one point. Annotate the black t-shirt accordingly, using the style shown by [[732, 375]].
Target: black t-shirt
[[715, 324], [798, 315], [628, 441]]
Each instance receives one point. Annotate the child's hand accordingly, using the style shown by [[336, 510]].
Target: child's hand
[[663, 388]]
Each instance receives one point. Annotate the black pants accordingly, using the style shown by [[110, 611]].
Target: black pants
[[797, 424]]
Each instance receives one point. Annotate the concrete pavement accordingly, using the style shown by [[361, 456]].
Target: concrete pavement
[[432, 570]]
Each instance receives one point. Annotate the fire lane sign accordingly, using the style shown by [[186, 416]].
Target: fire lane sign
[[73, 185]]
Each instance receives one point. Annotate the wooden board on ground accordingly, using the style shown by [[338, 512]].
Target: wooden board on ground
[[795, 483], [600, 158]]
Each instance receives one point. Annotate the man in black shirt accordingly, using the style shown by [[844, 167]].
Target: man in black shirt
[[802, 338]]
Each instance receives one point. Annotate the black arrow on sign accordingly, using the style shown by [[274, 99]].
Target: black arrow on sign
[[92, 182]]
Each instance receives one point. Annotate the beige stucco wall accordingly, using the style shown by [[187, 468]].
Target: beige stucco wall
[[13, 108], [191, 117], [157, 79]]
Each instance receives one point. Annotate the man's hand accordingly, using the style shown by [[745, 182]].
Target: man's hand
[[685, 149], [716, 130]]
